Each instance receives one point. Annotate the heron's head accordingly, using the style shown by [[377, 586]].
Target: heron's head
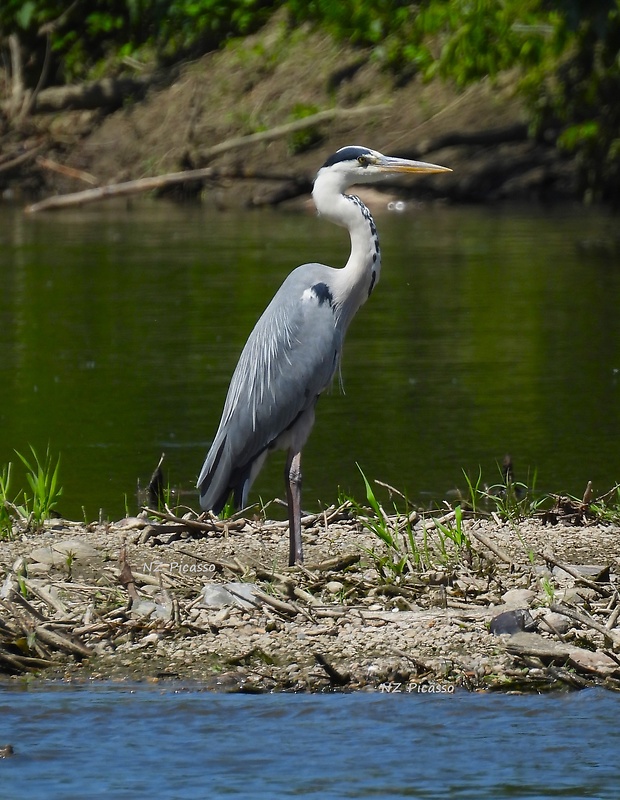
[[354, 164]]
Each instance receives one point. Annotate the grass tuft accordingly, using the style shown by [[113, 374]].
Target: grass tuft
[[35, 503], [441, 543]]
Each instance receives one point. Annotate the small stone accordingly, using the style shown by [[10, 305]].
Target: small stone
[[151, 638], [553, 622], [129, 523], [221, 616], [576, 594], [143, 608], [19, 565], [518, 598], [58, 553], [333, 587], [512, 622], [242, 595], [38, 569]]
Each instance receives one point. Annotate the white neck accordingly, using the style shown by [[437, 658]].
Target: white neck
[[353, 283]]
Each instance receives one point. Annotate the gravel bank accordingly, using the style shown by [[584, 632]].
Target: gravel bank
[[144, 600]]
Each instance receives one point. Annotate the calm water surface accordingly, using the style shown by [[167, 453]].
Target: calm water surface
[[492, 331], [119, 743]]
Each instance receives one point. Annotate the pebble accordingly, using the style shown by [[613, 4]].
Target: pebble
[[151, 638], [143, 608], [242, 595], [57, 553], [577, 594], [512, 622], [557, 622], [333, 587], [39, 569], [518, 598]]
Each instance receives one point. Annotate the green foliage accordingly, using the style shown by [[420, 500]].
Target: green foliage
[[37, 504], [34, 504], [303, 140], [479, 38], [6, 520], [441, 543], [508, 499], [463, 40], [389, 26], [84, 35], [548, 588], [607, 507], [580, 96]]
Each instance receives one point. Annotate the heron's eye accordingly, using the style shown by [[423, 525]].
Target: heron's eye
[[363, 161]]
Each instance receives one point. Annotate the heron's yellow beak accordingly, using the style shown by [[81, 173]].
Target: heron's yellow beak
[[389, 165]]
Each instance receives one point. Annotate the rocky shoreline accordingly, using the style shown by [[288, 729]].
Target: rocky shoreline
[[522, 606]]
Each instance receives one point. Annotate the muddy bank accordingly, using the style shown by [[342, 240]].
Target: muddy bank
[[268, 80], [526, 606]]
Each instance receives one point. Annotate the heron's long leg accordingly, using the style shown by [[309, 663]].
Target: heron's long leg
[[292, 476]]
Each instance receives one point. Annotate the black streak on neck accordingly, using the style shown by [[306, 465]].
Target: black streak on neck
[[372, 282]]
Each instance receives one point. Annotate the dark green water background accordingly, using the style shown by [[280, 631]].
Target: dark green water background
[[491, 331]]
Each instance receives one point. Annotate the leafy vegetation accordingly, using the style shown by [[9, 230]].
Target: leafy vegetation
[[413, 542], [87, 38], [6, 520], [510, 500], [442, 543], [32, 505]]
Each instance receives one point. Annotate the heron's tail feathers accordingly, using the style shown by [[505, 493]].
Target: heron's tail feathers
[[221, 476], [214, 479]]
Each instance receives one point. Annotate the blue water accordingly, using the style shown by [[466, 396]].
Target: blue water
[[163, 743]]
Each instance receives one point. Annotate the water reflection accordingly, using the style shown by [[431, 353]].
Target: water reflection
[[490, 332]]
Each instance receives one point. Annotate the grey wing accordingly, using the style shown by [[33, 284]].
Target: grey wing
[[288, 360]]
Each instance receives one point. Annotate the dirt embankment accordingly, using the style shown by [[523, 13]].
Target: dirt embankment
[[170, 121]]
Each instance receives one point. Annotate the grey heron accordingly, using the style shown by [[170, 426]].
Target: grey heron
[[293, 352]]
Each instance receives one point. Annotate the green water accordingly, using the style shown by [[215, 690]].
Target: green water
[[491, 331]]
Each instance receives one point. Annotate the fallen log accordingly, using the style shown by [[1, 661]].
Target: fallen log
[[142, 185], [109, 93]]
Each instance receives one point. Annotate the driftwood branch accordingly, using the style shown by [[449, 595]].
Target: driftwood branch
[[585, 619], [69, 172], [21, 159], [197, 525], [109, 93], [32, 97], [287, 128], [142, 185], [17, 77], [501, 554]]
